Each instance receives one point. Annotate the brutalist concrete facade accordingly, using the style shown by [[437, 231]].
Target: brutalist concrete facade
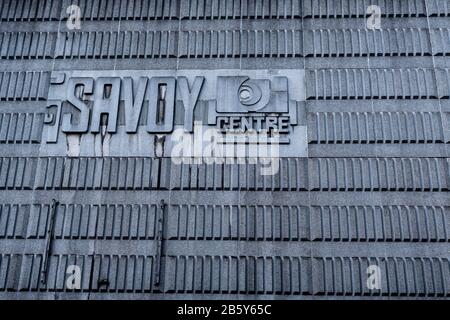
[[357, 208]]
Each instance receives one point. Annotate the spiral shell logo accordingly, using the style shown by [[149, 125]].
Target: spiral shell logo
[[242, 94], [250, 94]]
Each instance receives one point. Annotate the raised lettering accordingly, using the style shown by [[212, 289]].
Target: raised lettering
[[133, 104], [87, 85], [106, 101], [189, 98], [154, 125]]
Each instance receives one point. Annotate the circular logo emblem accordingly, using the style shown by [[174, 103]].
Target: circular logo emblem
[[250, 94]]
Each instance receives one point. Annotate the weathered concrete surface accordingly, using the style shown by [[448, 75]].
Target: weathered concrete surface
[[363, 178]]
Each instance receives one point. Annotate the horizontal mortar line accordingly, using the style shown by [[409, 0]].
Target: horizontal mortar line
[[92, 64], [306, 249], [85, 294], [240, 248], [220, 197], [324, 150], [316, 151], [5, 61], [37, 156], [397, 21], [80, 247]]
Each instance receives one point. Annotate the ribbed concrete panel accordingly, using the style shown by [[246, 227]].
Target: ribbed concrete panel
[[87, 179], [23, 85], [40, 10]]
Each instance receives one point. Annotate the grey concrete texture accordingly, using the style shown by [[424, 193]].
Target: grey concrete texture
[[87, 124]]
